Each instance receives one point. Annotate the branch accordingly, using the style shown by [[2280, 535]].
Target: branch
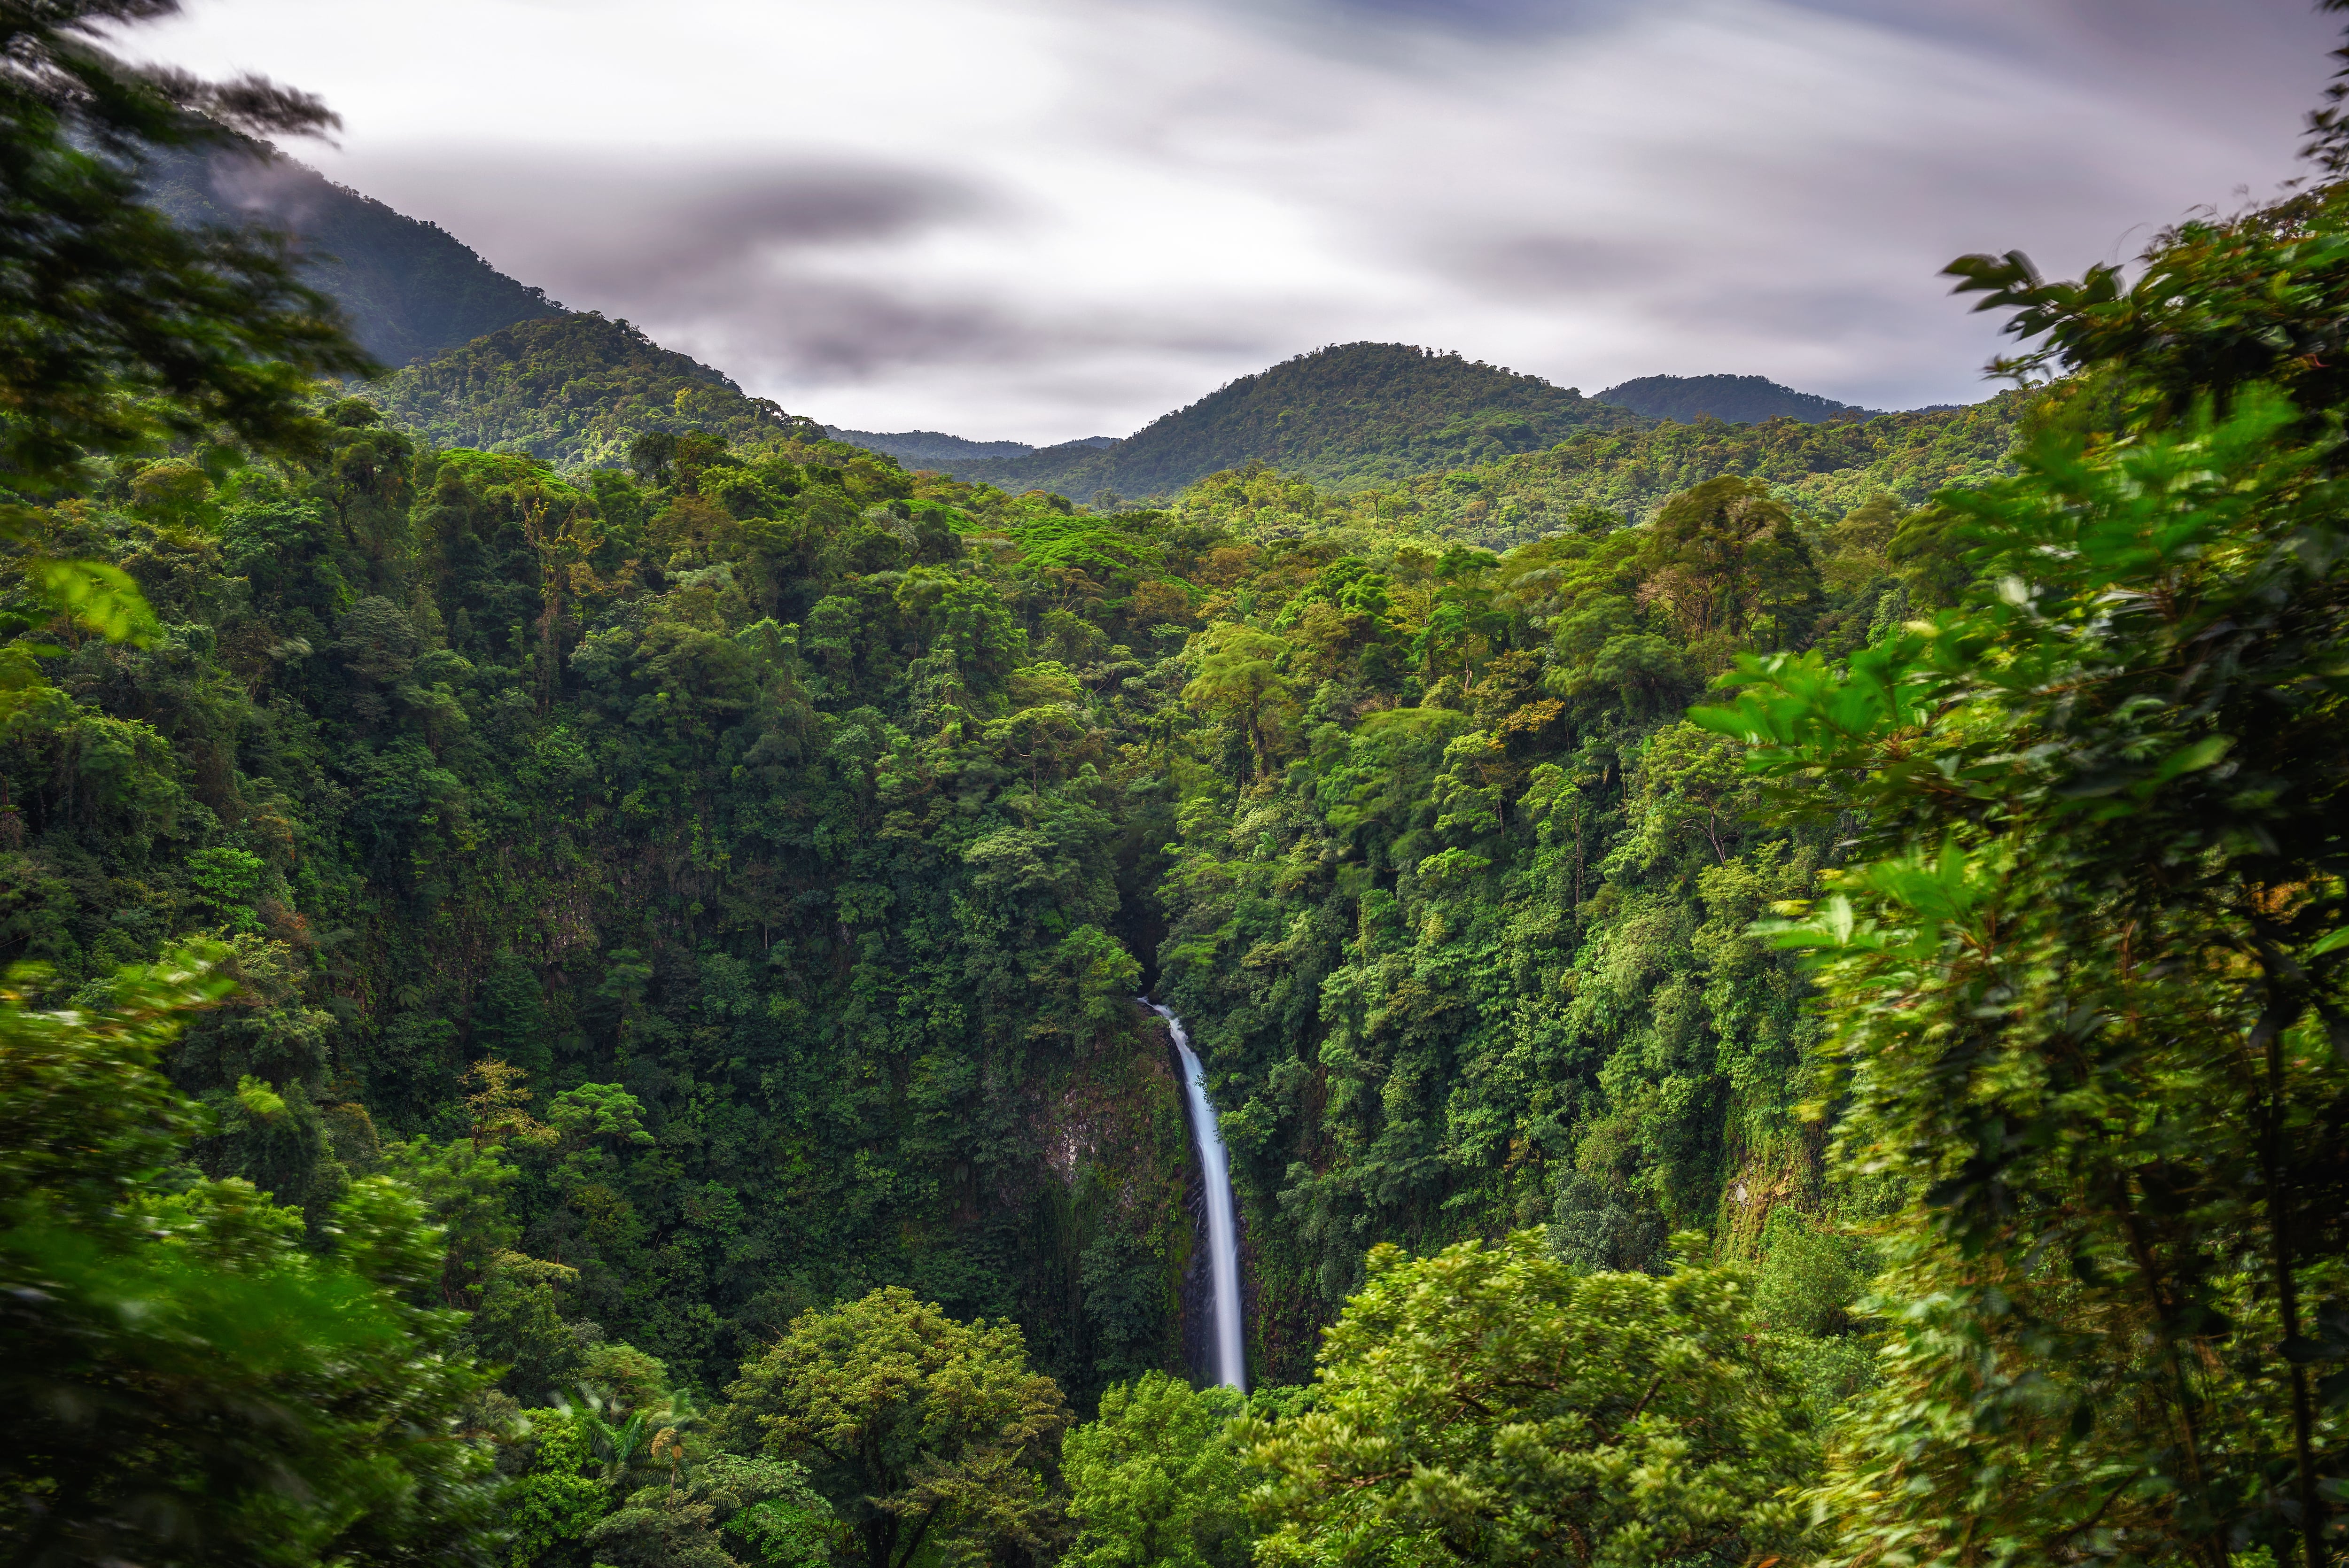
[[915, 1544]]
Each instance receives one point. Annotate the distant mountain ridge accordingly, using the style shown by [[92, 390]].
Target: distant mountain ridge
[[937, 447], [1356, 412], [1734, 399], [489, 362], [574, 389], [410, 288]]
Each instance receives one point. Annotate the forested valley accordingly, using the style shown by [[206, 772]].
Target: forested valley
[[1776, 990]]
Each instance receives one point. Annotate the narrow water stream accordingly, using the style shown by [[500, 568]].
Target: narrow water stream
[[1230, 1360]]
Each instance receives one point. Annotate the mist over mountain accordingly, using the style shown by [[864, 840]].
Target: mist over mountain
[[1736, 399], [411, 288], [1355, 411]]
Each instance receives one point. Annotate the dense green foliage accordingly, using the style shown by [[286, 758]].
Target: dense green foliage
[[187, 1381], [673, 929], [821, 811], [407, 288], [1738, 399], [469, 777], [923, 1432], [1360, 411], [1597, 481], [1458, 910], [2089, 979], [118, 329], [717, 897], [1591, 485], [1157, 1478], [576, 390], [1489, 1405]]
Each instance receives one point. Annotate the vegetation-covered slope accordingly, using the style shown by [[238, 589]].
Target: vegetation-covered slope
[[751, 801], [574, 389], [1360, 411], [932, 449], [1737, 399], [826, 812], [1599, 480], [410, 288], [635, 935]]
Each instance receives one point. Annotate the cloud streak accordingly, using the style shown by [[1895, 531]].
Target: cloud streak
[[1042, 219]]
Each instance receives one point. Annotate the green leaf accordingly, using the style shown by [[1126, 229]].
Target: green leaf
[[2203, 753], [98, 597]]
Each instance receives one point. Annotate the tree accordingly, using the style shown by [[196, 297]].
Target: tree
[[1489, 1405], [2082, 985], [1690, 777], [550, 1508], [728, 1513], [2088, 974], [921, 1430], [118, 330], [1152, 1479], [117, 327], [1728, 559], [652, 456], [187, 1381], [1239, 683]]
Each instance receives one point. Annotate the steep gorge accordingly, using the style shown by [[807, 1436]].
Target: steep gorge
[[832, 816]]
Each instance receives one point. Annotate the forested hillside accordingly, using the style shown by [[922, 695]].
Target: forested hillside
[[410, 288], [1778, 993], [933, 448], [575, 390], [1600, 481], [824, 814], [1362, 411], [1738, 399]]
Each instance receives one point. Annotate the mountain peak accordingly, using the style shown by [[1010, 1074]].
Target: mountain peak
[[574, 389], [1347, 411], [1736, 399]]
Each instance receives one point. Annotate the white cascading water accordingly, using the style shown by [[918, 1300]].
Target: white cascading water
[[1222, 1219]]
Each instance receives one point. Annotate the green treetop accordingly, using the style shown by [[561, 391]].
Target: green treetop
[[921, 1430], [1490, 1405]]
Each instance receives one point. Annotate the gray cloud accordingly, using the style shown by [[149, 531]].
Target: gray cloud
[[629, 222], [1337, 25], [1544, 266], [1043, 219]]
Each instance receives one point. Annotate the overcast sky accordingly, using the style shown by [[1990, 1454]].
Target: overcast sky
[[1044, 218]]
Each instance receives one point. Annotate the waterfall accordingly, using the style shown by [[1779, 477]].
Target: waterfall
[[1222, 1219]]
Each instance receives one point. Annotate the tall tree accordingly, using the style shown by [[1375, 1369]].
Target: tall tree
[[921, 1430], [1726, 557], [1154, 1484], [2090, 989], [1490, 1405]]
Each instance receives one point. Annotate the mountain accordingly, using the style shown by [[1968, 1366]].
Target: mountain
[[574, 389], [1354, 412], [409, 287], [1738, 399], [1599, 480], [482, 360], [927, 446], [932, 446]]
